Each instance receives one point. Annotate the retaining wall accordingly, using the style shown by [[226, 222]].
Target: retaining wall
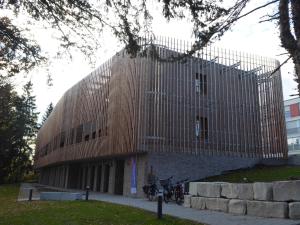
[[276, 199]]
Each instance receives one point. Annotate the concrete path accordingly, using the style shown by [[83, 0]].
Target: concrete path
[[203, 216]]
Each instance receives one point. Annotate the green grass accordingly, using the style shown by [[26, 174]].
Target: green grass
[[72, 212], [260, 173]]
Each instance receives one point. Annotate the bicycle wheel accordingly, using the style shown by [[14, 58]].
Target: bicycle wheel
[[166, 199]]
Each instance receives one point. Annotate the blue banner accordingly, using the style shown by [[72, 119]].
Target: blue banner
[[133, 176]]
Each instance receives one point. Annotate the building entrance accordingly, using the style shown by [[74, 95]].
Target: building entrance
[[106, 178], [119, 177]]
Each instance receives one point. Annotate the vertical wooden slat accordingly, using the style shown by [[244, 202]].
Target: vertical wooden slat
[[149, 105]]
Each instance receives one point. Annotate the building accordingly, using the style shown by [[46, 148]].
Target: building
[[218, 110], [292, 118]]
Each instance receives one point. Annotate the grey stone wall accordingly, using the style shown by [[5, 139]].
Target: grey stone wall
[[182, 166], [280, 199]]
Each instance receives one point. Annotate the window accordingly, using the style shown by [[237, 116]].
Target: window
[[46, 149], [71, 136], [79, 131], [62, 140], [294, 143], [55, 141], [201, 83], [86, 137], [99, 133], [93, 131], [87, 131], [201, 128], [293, 124], [287, 114]]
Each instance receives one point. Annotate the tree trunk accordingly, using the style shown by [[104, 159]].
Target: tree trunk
[[290, 40]]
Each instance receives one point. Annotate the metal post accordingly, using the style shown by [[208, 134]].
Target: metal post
[[30, 194], [159, 206], [87, 193]]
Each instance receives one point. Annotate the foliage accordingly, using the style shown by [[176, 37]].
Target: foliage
[[18, 127], [259, 174], [47, 114], [17, 53], [73, 212], [79, 23]]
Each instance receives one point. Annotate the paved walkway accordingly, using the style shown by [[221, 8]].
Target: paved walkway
[[203, 216]]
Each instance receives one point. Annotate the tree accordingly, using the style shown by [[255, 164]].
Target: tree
[[289, 13], [18, 128], [7, 120], [47, 113], [80, 22]]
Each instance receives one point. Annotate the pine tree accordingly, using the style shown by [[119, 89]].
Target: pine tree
[[26, 129], [18, 128], [47, 113], [7, 121]]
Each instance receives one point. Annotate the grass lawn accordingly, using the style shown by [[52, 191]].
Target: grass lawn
[[260, 173], [72, 212]]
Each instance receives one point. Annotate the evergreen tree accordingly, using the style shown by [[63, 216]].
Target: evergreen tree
[[47, 113], [8, 98], [18, 128]]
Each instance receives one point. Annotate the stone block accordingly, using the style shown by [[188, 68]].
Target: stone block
[[267, 209], [263, 191], [237, 191], [48, 196], [209, 189], [286, 191], [294, 210], [217, 204], [198, 202], [229, 190], [236, 206], [187, 201], [193, 188], [245, 191]]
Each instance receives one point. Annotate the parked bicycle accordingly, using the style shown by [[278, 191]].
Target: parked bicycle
[[168, 189], [179, 191], [151, 191]]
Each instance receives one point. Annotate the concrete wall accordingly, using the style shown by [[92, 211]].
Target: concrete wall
[[194, 167], [164, 165], [141, 173]]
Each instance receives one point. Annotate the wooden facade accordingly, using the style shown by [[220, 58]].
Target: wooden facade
[[218, 102]]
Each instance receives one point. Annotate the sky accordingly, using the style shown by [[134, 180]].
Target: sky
[[247, 35]]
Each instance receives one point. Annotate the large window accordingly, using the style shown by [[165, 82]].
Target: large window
[[201, 128], [71, 136], [294, 143], [201, 83], [62, 140], [293, 127], [293, 124], [79, 132]]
